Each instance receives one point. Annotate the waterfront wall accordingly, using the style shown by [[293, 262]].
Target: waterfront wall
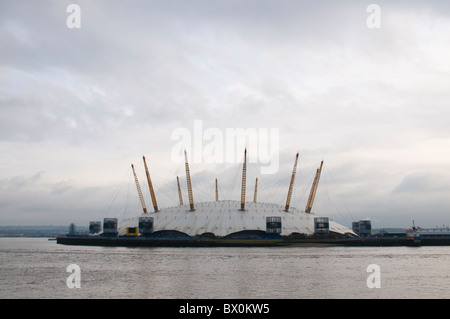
[[196, 242]]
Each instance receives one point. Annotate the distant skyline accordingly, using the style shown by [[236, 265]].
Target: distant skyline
[[79, 105]]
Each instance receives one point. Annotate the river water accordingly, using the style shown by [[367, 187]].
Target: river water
[[37, 268]]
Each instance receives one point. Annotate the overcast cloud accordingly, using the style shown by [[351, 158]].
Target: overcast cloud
[[78, 106]]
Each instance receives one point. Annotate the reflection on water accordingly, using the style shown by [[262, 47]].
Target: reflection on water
[[36, 268]]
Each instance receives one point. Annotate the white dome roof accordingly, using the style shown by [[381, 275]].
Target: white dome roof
[[225, 217]]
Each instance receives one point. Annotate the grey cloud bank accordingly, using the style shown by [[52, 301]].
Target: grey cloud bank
[[77, 106]]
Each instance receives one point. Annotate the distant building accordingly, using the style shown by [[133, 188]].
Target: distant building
[[72, 229]]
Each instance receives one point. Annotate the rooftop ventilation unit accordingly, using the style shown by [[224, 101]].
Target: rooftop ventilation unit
[[110, 226], [146, 225], [321, 225], [95, 227], [273, 225]]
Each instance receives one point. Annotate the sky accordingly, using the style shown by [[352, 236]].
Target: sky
[[365, 90]]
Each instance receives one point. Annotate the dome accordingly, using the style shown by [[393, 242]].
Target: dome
[[230, 218], [223, 218]]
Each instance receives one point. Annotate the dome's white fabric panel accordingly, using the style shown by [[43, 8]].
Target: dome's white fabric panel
[[225, 217]]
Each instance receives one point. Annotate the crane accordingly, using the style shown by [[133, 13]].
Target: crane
[[312, 194]]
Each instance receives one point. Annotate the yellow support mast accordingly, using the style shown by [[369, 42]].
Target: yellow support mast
[[256, 190], [189, 185], [150, 186], [312, 194], [291, 185], [179, 191], [217, 192], [244, 177], [144, 207]]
